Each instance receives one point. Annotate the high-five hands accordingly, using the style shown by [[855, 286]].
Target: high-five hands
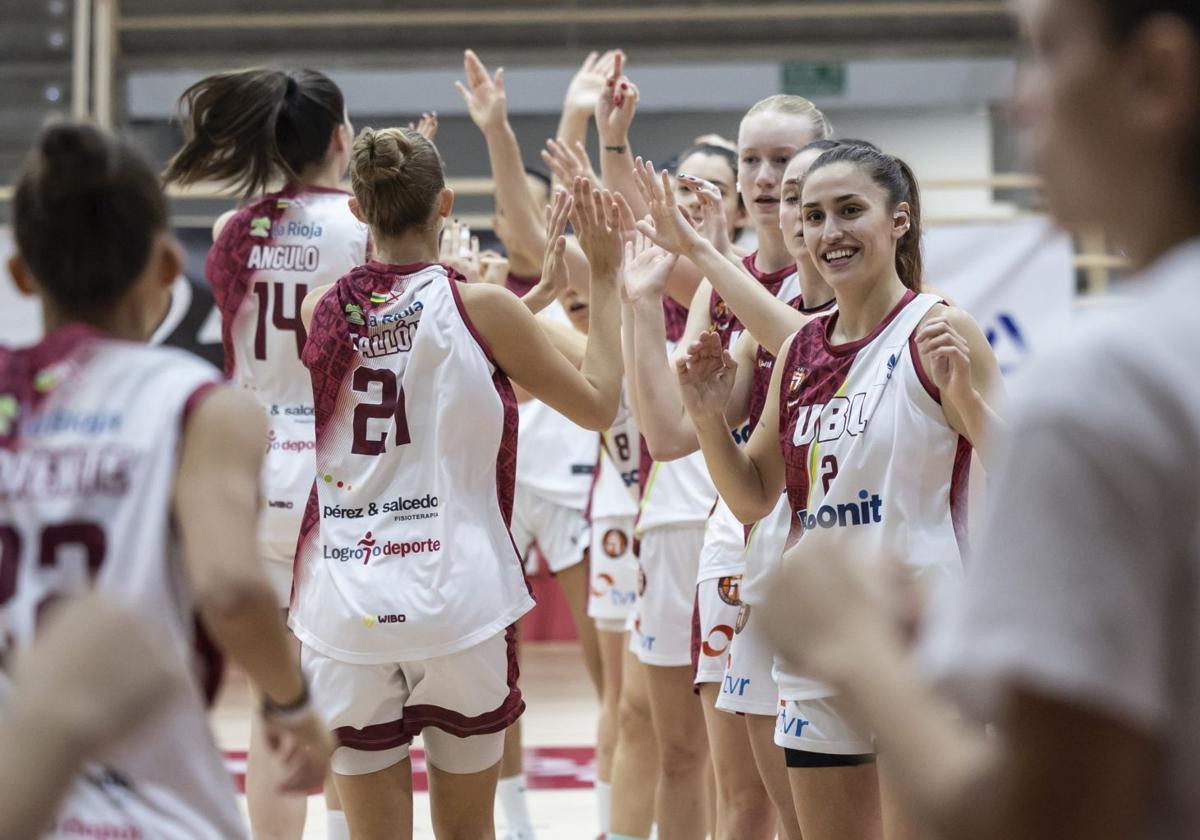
[[596, 218], [706, 373], [554, 262], [667, 227], [487, 102]]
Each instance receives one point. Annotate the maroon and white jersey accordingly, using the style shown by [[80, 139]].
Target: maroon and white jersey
[[405, 551], [871, 463], [90, 433], [784, 284], [556, 458], [267, 258]]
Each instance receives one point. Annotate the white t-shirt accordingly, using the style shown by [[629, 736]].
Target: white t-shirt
[[1087, 585]]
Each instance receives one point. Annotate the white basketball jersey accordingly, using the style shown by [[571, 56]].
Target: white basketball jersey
[[871, 463], [267, 258], [90, 432], [556, 459], [405, 551]]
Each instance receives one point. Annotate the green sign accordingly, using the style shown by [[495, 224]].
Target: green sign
[[814, 78]]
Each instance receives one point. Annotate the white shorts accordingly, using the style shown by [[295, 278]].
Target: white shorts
[[612, 591], [717, 607], [279, 574], [561, 533], [820, 726], [460, 704], [747, 686], [668, 558]]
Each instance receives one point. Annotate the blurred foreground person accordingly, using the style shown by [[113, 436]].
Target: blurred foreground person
[[1077, 633]]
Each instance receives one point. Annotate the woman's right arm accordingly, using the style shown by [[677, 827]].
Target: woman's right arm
[[750, 479]]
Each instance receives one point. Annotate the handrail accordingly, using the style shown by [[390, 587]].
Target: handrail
[[488, 17]]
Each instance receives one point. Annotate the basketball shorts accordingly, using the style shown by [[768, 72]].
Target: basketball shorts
[[820, 726], [612, 592], [747, 686], [460, 704], [667, 563], [561, 533], [717, 608]]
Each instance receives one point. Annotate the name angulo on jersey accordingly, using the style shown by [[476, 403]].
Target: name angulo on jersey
[[868, 510]]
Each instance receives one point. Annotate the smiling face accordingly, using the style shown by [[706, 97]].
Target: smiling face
[[717, 171], [850, 226], [767, 141]]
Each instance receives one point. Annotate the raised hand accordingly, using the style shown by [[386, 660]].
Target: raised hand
[[428, 125], [712, 224], [616, 106], [950, 354], [486, 100], [567, 162], [554, 262], [588, 83], [647, 268], [459, 250], [596, 219], [706, 373], [666, 226]]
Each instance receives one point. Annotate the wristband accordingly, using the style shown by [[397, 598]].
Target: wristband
[[619, 150], [285, 713]]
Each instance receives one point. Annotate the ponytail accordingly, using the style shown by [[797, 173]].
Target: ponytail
[[247, 128], [896, 178]]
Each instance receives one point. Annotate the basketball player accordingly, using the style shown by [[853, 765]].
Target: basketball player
[[871, 449], [770, 135], [1075, 633], [408, 581], [129, 469], [255, 129]]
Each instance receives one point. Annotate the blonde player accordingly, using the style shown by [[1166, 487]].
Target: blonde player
[[256, 129], [408, 582], [131, 469], [872, 452]]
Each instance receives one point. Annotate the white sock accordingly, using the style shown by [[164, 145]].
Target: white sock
[[511, 793], [603, 804], [336, 827]]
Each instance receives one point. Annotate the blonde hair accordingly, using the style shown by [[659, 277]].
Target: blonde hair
[[396, 175], [785, 103]]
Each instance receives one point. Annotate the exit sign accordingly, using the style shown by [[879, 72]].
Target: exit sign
[[814, 78]]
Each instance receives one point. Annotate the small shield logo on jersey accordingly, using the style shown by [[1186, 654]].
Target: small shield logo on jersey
[[354, 314], [743, 617], [615, 542], [729, 589], [797, 380], [10, 409], [260, 227], [368, 620]]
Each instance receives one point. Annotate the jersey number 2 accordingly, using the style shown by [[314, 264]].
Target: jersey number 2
[[389, 406]]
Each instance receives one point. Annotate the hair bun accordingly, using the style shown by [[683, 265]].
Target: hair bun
[[75, 159], [381, 155]]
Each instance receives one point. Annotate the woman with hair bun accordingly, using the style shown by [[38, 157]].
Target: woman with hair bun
[[408, 583], [287, 132]]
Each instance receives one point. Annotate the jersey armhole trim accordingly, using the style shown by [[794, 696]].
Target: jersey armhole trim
[[922, 375], [462, 311], [193, 401]]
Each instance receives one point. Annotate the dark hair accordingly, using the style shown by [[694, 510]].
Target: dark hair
[[540, 176], [397, 177], [86, 212], [249, 127], [1123, 17], [826, 145], [897, 179]]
